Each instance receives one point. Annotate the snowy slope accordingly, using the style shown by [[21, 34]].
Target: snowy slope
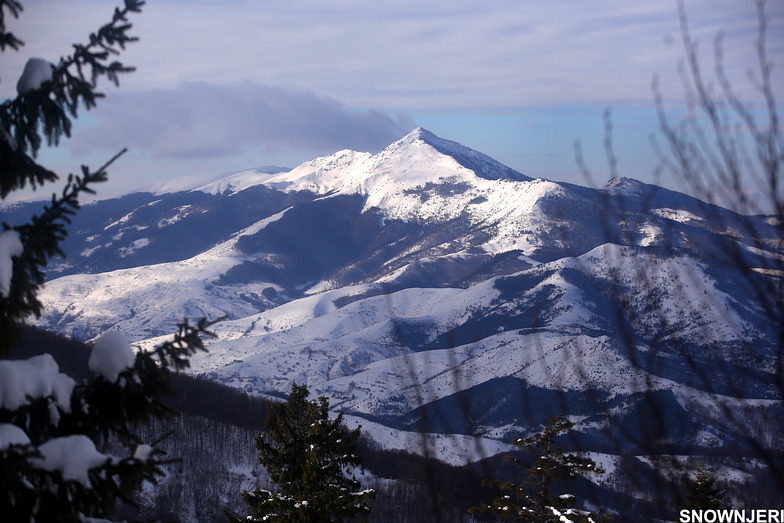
[[148, 300]]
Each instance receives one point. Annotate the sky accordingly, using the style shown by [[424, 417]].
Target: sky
[[222, 86]]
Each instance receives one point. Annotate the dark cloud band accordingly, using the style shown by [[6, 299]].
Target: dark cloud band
[[204, 120]]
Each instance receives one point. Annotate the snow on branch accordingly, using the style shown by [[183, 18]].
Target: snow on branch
[[37, 377], [111, 355]]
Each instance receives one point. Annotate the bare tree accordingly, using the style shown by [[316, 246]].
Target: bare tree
[[728, 153]]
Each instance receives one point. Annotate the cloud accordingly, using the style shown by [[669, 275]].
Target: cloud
[[204, 120], [412, 54]]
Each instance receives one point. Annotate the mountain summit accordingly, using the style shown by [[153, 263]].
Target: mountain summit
[[417, 161], [482, 165]]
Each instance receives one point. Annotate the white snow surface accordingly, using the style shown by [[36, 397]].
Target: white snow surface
[[677, 215], [236, 182], [36, 72], [351, 353], [37, 377], [10, 246], [134, 246], [73, 456], [111, 354], [710, 319]]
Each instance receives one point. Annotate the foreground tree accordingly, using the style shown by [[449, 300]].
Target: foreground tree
[[311, 459], [51, 426], [536, 499], [701, 491]]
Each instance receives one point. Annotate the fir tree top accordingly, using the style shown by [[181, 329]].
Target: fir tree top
[[311, 458]]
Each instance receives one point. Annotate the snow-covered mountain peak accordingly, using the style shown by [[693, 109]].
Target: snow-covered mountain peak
[[625, 186], [419, 135], [417, 159], [411, 177], [482, 165]]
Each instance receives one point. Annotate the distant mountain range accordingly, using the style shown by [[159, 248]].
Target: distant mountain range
[[430, 288]]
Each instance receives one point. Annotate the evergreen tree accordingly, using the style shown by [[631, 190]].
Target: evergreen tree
[[51, 427], [536, 500], [701, 491], [311, 460]]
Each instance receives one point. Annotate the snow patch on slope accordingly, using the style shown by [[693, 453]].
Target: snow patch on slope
[[453, 449], [151, 299]]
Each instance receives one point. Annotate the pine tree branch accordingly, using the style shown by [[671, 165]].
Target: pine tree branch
[[49, 107], [7, 39], [41, 238]]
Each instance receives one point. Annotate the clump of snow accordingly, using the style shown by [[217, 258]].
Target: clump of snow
[[12, 435], [142, 452], [37, 71], [37, 377], [73, 456], [10, 246], [111, 355]]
